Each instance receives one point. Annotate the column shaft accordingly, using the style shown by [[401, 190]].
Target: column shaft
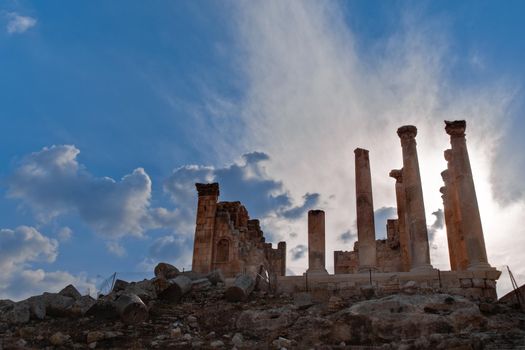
[[468, 203], [365, 211], [404, 240], [415, 207], [316, 242]]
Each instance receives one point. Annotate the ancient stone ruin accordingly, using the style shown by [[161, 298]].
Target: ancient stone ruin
[[226, 239]]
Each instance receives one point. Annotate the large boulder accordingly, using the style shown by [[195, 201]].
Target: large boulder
[[70, 291], [405, 317], [166, 271], [15, 313]]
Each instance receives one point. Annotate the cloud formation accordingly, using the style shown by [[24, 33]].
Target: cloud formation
[[19, 24], [52, 182], [21, 247], [316, 91]]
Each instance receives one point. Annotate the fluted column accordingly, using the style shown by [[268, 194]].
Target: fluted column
[[415, 207], [404, 241], [316, 242], [468, 203], [366, 235]]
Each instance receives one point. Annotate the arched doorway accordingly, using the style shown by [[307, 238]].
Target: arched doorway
[[223, 251]]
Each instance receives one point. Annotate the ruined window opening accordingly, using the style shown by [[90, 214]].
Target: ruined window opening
[[223, 250]]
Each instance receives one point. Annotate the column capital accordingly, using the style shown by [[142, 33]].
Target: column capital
[[407, 132], [455, 128], [211, 189], [360, 152], [396, 174], [315, 212]]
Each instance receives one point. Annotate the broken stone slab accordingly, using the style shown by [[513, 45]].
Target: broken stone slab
[[266, 320], [131, 309], [82, 305], [200, 284], [145, 290], [241, 289], [104, 308], [303, 300], [215, 277], [15, 313], [177, 288], [70, 291], [166, 271], [120, 285]]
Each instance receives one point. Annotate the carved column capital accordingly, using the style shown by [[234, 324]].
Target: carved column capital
[[456, 128], [397, 174], [359, 152], [407, 132]]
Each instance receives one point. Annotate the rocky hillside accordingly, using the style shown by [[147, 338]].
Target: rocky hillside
[[203, 318]]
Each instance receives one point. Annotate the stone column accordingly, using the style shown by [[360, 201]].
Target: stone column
[[366, 235], [404, 241], [450, 223], [452, 194], [415, 207], [316, 244], [205, 227], [468, 203]]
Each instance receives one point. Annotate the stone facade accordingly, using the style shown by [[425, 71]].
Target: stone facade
[[227, 239]]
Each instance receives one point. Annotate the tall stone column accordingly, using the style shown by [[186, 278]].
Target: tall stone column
[[404, 241], [446, 195], [415, 207], [468, 203], [316, 242], [452, 194], [205, 227], [366, 235]]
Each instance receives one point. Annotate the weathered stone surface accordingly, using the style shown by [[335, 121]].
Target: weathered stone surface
[[303, 300], [166, 270], [266, 320], [241, 289], [70, 291], [131, 309], [177, 288], [120, 285], [200, 284]]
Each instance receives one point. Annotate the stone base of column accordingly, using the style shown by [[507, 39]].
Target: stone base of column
[[422, 268], [316, 272], [480, 266]]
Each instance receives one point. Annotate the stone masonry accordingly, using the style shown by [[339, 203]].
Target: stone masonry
[[227, 239]]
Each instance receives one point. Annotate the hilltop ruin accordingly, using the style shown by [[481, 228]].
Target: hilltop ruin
[[226, 239]]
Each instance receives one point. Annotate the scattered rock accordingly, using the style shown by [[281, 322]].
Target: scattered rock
[[217, 344], [70, 291], [166, 271], [303, 300], [237, 340], [59, 339]]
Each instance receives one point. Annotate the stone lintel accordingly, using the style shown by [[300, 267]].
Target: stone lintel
[[209, 189], [456, 128]]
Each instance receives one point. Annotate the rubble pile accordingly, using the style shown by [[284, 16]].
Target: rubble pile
[[181, 310]]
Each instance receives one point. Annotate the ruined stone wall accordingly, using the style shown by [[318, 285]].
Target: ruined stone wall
[[388, 254], [226, 238]]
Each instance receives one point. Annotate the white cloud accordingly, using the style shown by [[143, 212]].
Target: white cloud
[[21, 247], [314, 96], [64, 234], [116, 248], [52, 182], [19, 24]]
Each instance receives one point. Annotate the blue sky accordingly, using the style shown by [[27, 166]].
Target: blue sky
[[112, 110]]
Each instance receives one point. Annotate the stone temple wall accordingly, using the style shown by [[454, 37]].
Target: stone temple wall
[[388, 254], [227, 239]]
